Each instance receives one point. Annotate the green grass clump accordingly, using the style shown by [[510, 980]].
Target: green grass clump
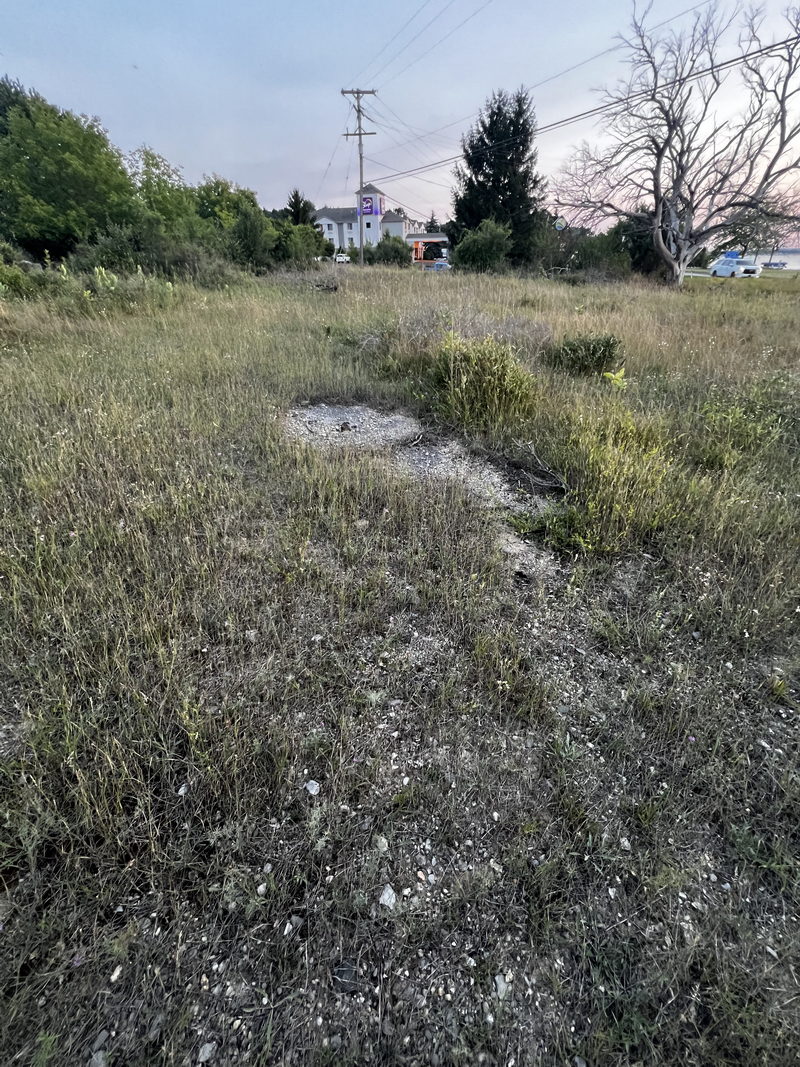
[[585, 354], [481, 386]]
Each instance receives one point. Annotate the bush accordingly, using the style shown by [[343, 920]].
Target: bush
[[481, 386], [253, 238], [15, 282], [585, 354], [10, 255], [484, 249], [393, 251]]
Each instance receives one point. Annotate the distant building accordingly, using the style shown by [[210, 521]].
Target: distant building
[[340, 224], [419, 240]]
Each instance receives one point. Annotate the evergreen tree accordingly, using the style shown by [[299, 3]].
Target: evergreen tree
[[433, 225], [497, 179], [301, 210]]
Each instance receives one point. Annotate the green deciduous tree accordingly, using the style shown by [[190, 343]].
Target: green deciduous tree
[[163, 193], [497, 179], [61, 179], [253, 238], [221, 201]]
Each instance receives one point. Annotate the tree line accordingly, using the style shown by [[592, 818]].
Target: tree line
[[67, 192], [678, 176]]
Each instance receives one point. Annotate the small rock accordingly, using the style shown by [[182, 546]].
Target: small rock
[[184, 789], [578, 1061], [98, 1059], [262, 889], [294, 924], [500, 986], [312, 787], [381, 844], [362, 524], [116, 973], [388, 897], [206, 1053], [625, 844]]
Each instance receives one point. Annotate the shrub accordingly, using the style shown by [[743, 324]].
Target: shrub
[[393, 251], [10, 255], [481, 386], [484, 249], [584, 354], [15, 282]]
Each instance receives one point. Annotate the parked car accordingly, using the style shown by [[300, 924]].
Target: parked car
[[438, 265], [728, 267], [341, 257]]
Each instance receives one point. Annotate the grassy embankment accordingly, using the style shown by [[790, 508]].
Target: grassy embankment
[[586, 779]]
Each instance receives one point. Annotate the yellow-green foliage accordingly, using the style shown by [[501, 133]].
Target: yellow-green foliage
[[481, 385]]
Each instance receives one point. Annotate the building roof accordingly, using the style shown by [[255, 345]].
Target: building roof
[[426, 236], [393, 216], [336, 214]]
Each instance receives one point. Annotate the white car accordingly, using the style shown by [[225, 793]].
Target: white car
[[728, 267], [341, 257]]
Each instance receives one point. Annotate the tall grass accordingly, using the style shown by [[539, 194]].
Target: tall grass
[[199, 616]]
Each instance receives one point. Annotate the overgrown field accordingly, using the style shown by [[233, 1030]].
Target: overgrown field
[[578, 774]]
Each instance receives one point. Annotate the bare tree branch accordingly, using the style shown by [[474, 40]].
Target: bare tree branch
[[680, 160]]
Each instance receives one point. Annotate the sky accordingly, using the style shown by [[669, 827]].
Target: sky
[[250, 89]]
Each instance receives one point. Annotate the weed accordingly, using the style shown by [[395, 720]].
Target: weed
[[480, 385], [584, 354]]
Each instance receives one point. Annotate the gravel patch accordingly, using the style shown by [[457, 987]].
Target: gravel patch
[[350, 426], [402, 437]]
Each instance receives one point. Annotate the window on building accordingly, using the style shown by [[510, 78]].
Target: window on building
[[369, 225], [349, 225], [330, 226]]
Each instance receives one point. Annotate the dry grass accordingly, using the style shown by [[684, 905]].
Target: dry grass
[[583, 769]]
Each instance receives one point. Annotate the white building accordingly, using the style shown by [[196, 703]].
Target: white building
[[340, 224]]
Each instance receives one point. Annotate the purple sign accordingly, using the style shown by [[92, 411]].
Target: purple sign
[[366, 205]]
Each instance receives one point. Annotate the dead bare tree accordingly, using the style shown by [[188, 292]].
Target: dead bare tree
[[695, 143]]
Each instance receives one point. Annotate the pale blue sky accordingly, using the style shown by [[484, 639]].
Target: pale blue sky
[[250, 90]]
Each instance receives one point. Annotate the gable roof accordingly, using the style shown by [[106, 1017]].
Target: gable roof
[[336, 214]]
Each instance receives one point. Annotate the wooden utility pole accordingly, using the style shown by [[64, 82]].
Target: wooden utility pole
[[360, 133]]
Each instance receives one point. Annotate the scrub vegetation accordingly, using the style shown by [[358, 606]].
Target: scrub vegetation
[[306, 761]]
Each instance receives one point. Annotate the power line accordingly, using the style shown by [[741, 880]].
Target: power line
[[602, 108], [441, 40], [389, 130], [333, 153], [614, 47], [415, 210], [392, 39], [417, 177], [567, 70], [408, 44], [360, 133]]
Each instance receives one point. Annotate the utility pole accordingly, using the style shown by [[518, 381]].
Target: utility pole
[[360, 133]]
